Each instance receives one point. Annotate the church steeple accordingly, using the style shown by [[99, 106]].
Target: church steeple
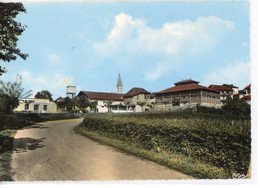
[[119, 85]]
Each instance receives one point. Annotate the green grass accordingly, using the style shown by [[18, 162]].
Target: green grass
[[182, 163], [6, 140]]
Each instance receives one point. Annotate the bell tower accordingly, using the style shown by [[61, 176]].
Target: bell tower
[[119, 85]]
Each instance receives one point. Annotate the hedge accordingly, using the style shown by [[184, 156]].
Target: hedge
[[220, 142]]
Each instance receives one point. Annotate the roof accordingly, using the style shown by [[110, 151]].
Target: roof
[[59, 99], [230, 85], [119, 81], [186, 87], [221, 87], [102, 95], [136, 91], [248, 87], [236, 94], [246, 97], [186, 82]]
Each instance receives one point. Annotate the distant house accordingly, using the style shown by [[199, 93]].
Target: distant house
[[226, 91], [246, 94], [139, 100], [186, 93], [31, 105], [106, 102]]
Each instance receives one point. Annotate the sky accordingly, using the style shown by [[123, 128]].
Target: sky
[[151, 44]]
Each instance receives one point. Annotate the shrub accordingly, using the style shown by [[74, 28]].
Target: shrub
[[221, 142]]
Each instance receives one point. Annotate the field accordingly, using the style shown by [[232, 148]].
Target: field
[[203, 145]]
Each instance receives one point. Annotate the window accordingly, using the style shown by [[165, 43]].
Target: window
[[113, 107], [122, 107], [26, 107], [36, 107], [45, 107]]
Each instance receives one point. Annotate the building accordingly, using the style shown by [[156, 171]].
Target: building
[[186, 93], [139, 100], [226, 91], [244, 94], [31, 105], [105, 102], [119, 85]]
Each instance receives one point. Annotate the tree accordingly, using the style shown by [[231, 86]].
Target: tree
[[9, 32], [82, 102], [236, 107], [11, 93], [44, 94]]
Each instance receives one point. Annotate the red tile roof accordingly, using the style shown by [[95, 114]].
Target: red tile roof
[[186, 82], [135, 91], [186, 87], [246, 97], [102, 95], [59, 99], [221, 87], [248, 87], [236, 94]]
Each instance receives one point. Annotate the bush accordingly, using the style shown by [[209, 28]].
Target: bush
[[221, 142], [17, 121]]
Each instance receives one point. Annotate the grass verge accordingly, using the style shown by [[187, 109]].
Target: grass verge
[[182, 163], [6, 140]]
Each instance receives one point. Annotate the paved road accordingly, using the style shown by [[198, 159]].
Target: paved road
[[53, 151]]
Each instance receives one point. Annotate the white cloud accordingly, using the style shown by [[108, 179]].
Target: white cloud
[[237, 73], [159, 70], [56, 84], [54, 58], [130, 38]]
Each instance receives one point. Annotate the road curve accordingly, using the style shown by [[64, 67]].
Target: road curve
[[52, 151]]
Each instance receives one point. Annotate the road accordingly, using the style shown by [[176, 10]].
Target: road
[[52, 151]]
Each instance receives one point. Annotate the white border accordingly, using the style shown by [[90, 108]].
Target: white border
[[253, 182]]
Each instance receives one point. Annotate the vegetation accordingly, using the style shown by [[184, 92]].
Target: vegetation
[[44, 94], [199, 144], [10, 94], [10, 30]]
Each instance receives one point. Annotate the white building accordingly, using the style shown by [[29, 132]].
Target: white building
[[31, 105]]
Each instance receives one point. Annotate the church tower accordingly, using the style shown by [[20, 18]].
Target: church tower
[[119, 85]]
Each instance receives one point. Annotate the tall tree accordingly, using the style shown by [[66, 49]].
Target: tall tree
[[11, 93], [44, 94], [9, 32]]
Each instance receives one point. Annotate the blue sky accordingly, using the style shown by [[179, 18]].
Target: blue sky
[[151, 44]]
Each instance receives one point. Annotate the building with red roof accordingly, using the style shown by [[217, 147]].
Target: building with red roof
[[187, 92], [139, 100], [106, 102], [226, 91]]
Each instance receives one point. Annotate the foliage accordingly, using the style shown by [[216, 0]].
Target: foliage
[[10, 94], [9, 32], [236, 107], [221, 142], [82, 102], [17, 121], [44, 94]]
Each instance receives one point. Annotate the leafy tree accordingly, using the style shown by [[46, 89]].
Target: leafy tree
[[82, 102], [93, 105], [44, 94], [236, 107], [11, 93], [9, 32]]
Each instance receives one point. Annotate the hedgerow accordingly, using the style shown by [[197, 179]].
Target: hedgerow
[[221, 142]]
